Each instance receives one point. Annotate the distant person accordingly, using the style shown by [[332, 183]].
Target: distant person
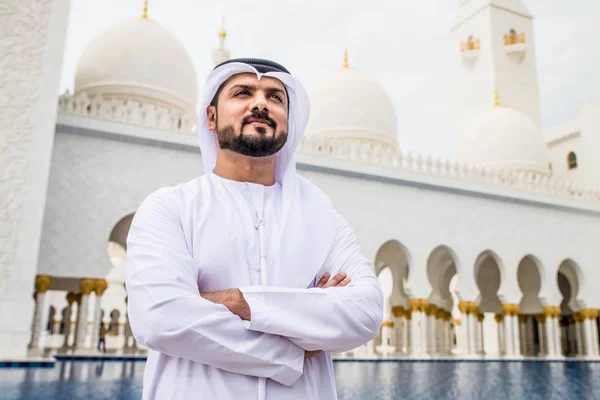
[[101, 338], [241, 281]]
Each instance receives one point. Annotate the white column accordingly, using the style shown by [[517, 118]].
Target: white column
[[516, 335], [480, 339], [499, 318], [32, 38], [405, 332], [86, 286], [431, 329], [408, 338], [99, 288], [557, 339], [580, 335], [42, 284], [590, 327], [508, 335], [67, 319], [474, 333]]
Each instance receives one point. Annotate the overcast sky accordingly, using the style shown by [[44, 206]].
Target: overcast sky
[[402, 44]]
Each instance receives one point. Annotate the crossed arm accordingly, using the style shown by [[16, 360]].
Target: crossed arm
[[168, 315]]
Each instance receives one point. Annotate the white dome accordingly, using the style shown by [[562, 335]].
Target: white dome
[[139, 59], [503, 138], [348, 105]]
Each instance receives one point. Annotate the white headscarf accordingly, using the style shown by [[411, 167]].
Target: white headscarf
[[307, 220]]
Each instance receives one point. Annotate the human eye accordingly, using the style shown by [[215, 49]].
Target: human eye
[[243, 92], [277, 97]]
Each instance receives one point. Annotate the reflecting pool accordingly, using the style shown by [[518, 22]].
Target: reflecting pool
[[122, 380]]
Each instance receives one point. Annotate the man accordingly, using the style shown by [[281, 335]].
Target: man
[[228, 275], [102, 338]]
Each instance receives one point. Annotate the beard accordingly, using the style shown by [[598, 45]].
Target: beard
[[253, 145]]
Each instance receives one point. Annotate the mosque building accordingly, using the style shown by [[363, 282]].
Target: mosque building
[[492, 254]]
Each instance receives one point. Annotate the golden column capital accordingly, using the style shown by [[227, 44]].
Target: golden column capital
[[499, 318], [457, 322], [593, 313], [430, 309], [541, 318], [86, 285], [100, 286], [480, 317], [387, 324], [42, 283], [516, 309], [71, 298], [548, 311], [464, 307], [78, 298], [423, 303], [557, 311], [398, 311], [522, 318], [414, 304]]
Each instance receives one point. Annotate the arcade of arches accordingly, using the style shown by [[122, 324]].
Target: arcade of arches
[[442, 324], [73, 313]]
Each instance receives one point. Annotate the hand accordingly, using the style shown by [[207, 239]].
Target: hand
[[311, 354], [339, 280], [233, 299]]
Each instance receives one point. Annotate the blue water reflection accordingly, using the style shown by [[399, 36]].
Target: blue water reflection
[[356, 381]]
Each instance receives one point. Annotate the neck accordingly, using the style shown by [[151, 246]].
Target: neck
[[241, 168]]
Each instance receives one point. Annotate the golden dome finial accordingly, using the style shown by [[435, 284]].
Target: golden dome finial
[[496, 100], [145, 13], [222, 31], [346, 59]]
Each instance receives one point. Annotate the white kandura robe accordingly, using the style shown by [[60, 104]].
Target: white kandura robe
[[204, 235]]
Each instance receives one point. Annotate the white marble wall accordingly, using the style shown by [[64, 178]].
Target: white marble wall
[[32, 36]]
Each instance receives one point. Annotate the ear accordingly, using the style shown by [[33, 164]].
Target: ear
[[211, 114]]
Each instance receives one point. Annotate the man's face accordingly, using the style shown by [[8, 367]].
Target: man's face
[[251, 115]]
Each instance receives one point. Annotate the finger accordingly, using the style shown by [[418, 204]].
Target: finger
[[323, 280], [336, 279], [344, 282]]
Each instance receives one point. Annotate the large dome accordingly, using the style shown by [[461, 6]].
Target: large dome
[[348, 105], [503, 138], [139, 59]]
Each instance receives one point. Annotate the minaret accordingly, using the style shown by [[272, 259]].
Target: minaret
[[221, 54], [492, 49]]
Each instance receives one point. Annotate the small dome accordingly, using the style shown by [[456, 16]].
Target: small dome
[[503, 138], [139, 59], [349, 105]]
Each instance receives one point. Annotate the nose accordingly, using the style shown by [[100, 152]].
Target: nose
[[260, 103]]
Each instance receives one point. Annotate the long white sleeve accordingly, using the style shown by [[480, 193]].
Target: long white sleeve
[[333, 319], [168, 315]]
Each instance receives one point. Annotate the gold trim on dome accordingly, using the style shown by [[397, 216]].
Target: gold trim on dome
[[222, 31], [346, 66], [145, 13]]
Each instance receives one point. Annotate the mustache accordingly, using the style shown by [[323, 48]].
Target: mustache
[[262, 115]]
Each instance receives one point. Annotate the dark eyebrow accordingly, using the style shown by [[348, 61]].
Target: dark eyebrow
[[238, 86]]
